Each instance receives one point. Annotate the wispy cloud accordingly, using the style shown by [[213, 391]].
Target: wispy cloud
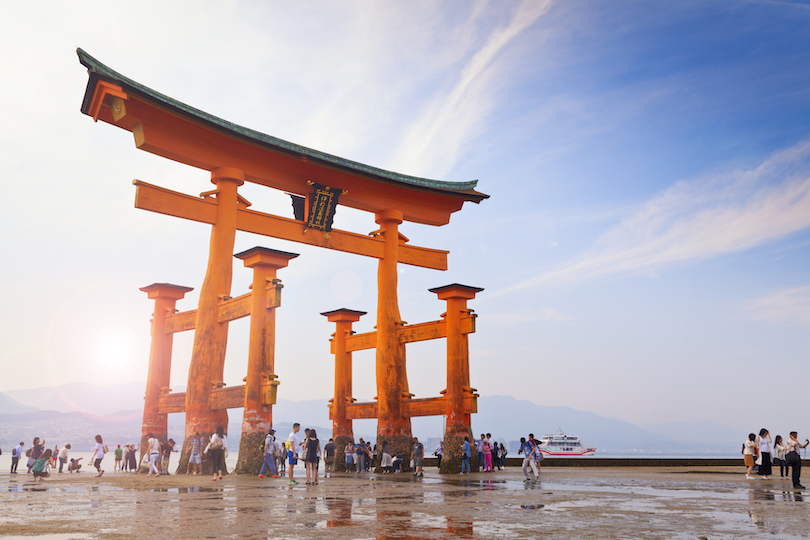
[[699, 219], [437, 134], [788, 307]]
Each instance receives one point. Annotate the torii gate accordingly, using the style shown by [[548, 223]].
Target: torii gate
[[234, 154]]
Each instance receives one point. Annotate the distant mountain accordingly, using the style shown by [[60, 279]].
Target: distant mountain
[[84, 397], [505, 417], [9, 405], [704, 433]]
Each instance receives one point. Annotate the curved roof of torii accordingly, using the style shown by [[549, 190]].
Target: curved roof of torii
[[163, 125]]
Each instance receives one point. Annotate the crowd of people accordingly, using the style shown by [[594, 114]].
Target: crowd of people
[[761, 453]]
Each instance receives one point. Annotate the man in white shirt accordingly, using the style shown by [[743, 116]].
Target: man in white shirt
[[15, 457], [292, 450]]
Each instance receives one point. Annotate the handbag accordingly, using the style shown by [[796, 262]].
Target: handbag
[[216, 444]]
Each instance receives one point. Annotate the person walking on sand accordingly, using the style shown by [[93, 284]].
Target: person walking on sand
[[465, 455], [764, 445], [438, 453], [195, 458], [418, 454], [269, 455], [527, 449], [98, 454], [63, 457], [292, 451], [313, 456], [794, 459], [15, 457], [218, 447], [749, 450], [153, 448]]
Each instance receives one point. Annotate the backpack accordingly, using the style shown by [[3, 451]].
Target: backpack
[[28, 452]]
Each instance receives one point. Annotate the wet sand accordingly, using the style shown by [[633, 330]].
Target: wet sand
[[676, 502]]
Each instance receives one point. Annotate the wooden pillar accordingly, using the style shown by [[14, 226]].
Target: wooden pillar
[[211, 336], [457, 422], [257, 418], [392, 380], [165, 296], [341, 426]]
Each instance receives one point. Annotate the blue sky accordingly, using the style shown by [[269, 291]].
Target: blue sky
[[645, 251]]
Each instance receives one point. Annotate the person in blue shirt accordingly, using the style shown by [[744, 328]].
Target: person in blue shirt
[[15, 457], [360, 456], [527, 449], [465, 455]]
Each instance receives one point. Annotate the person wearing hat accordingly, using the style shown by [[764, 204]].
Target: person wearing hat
[[269, 454]]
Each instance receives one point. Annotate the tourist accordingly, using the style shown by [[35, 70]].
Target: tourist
[[118, 453], [764, 446], [438, 453], [479, 446], [53, 456], [98, 454], [63, 457], [15, 457], [329, 459], [195, 457], [292, 451], [153, 449], [502, 454], [132, 460], [75, 465], [373, 453], [794, 460], [387, 461], [349, 455], [360, 456], [269, 455], [527, 449], [418, 454], [487, 454], [218, 448], [749, 450], [34, 453], [370, 458], [779, 451], [465, 455], [281, 458], [41, 465], [168, 448], [313, 456]]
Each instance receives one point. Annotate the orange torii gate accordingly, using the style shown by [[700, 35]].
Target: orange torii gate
[[233, 155]]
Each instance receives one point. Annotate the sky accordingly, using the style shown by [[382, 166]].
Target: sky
[[645, 252]]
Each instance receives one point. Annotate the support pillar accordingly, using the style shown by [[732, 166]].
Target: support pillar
[[457, 422], [211, 336], [165, 296], [392, 380], [261, 380], [341, 426]]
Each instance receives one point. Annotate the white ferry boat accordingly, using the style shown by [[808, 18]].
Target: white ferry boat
[[560, 444]]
